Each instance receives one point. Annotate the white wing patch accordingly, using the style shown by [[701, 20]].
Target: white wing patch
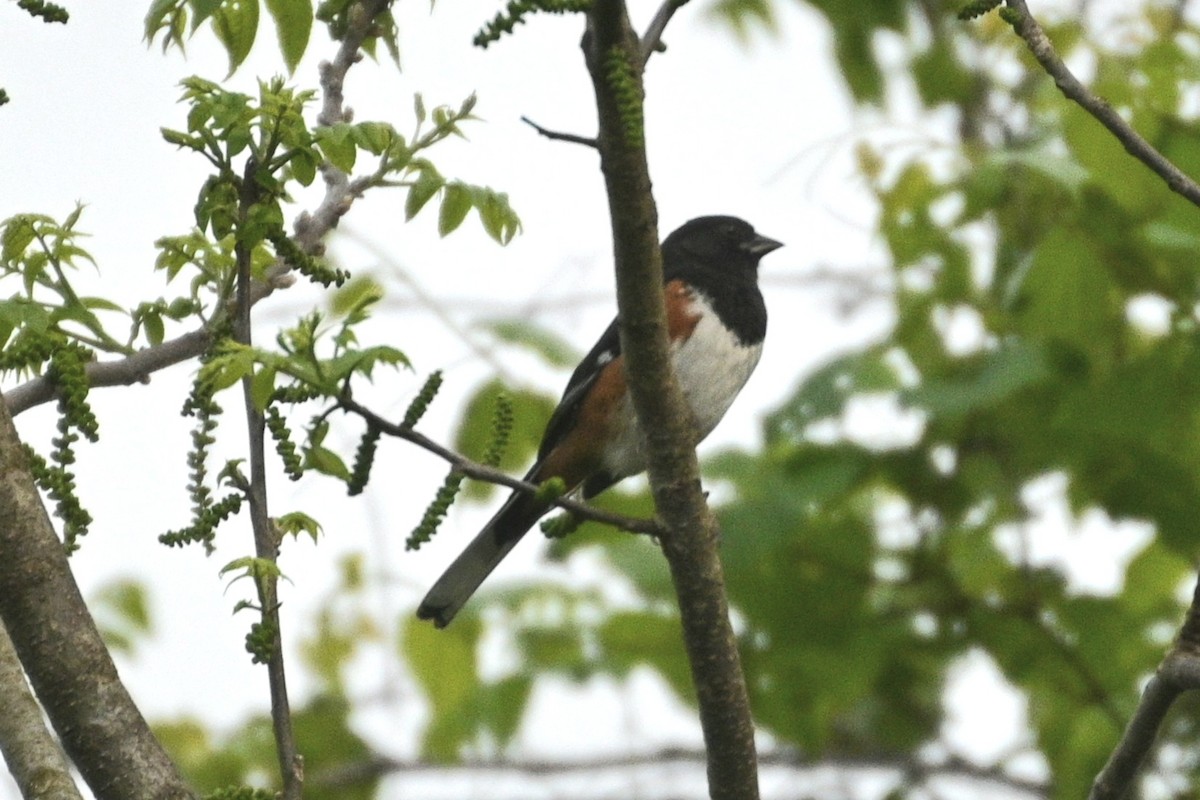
[[712, 367]]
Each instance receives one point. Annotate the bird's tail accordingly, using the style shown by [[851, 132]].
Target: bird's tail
[[476, 562]]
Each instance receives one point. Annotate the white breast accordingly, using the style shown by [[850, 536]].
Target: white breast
[[712, 367]]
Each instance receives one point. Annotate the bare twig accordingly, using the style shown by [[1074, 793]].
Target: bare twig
[[1039, 45], [559, 136], [920, 771], [266, 541], [482, 472], [652, 40]]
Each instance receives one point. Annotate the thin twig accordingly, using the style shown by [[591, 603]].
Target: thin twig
[[651, 41], [1039, 45], [347, 775], [558, 136], [266, 541], [482, 472]]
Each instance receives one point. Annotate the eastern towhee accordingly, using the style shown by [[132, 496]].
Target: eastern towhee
[[716, 319]]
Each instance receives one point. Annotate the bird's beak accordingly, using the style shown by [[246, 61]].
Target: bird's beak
[[760, 245]]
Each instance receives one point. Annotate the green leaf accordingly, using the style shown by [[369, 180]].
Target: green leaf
[[1067, 295], [181, 139], [501, 706], [825, 393], [262, 385], [325, 460], [19, 232], [303, 166], [374, 137], [444, 664], [456, 202], [336, 143], [985, 381], [357, 293], [425, 187], [202, 10], [541, 341], [293, 22], [236, 26], [155, 331], [128, 599], [296, 523], [156, 17]]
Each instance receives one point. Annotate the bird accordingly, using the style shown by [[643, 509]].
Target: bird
[[716, 321]]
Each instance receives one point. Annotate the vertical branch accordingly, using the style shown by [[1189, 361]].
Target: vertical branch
[[615, 61], [266, 541]]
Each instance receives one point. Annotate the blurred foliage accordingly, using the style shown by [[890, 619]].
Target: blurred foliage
[[333, 752], [862, 574]]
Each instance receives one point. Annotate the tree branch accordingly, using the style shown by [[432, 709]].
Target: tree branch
[[1039, 45], [918, 770], [482, 472], [1179, 672], [66, 660], [310, 230], [652, 39], [266, 541], [614, 61], [30, 752], [560, 137]]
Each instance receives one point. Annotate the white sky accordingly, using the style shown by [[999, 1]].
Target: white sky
[[764, 132]]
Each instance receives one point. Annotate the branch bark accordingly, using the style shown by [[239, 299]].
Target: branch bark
[[1179, 672], [266, 542], [30, 751], [1027, 27], [58, 643], [916, 770], [482, 472], [615, 62]]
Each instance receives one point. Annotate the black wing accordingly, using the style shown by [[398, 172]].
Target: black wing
[[607, 348]]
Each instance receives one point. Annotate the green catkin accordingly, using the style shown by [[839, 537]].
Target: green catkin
[[436, 512], [977, 8], [623, 80], [284, 446], [364, 458], [420, 403], [502, 423], [515, 12]]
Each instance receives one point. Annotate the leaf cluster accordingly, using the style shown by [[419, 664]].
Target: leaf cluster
[[235, 25]]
